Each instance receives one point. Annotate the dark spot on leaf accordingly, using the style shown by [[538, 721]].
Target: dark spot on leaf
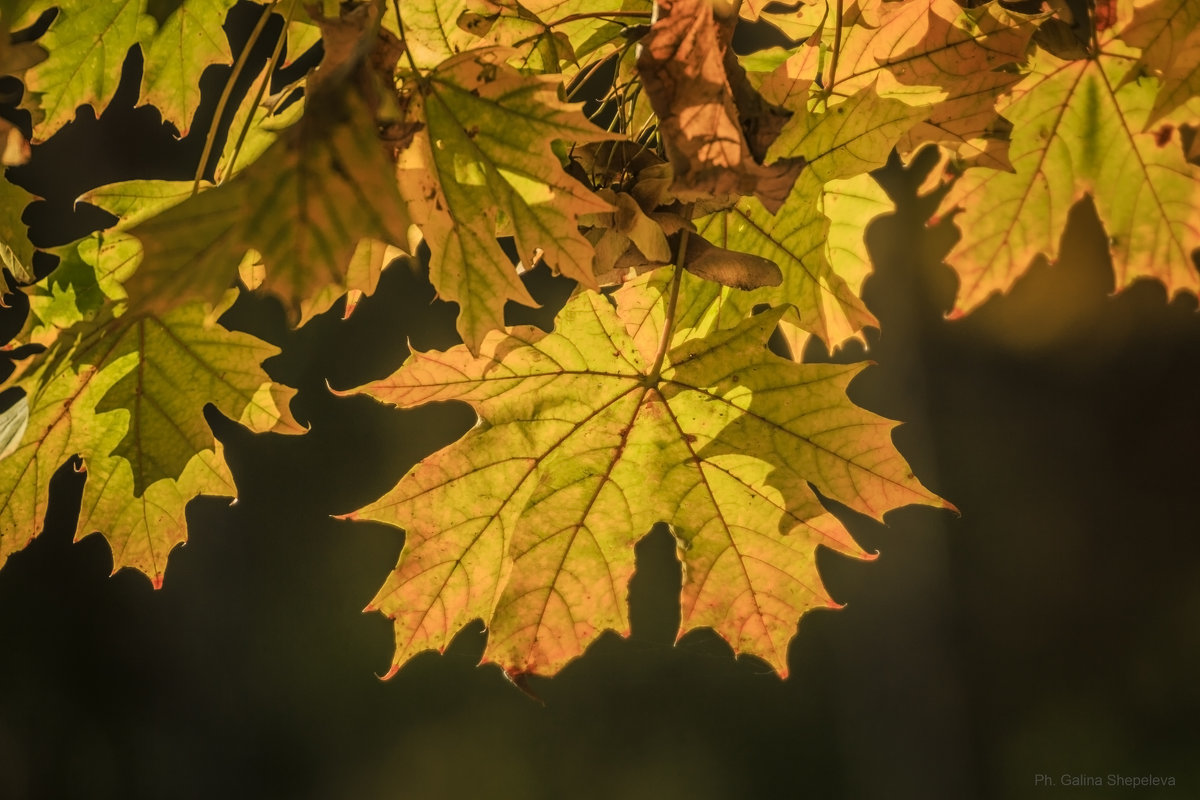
[[1162, 136]]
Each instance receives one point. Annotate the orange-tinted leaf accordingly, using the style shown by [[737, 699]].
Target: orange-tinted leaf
[[529, 521], [1078, 131], [715, 127]]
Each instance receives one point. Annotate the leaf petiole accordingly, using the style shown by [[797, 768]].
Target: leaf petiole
[[664, 344]]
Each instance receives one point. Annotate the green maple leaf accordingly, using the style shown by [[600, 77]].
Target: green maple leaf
[[482, 165], [587, 439], [181, 361], [62, 422], [87, 43], [142, 529], [1079, 131], [189, 40], [126, 394], [16, 252]]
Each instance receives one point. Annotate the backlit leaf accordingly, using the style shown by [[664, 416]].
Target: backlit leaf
[[482, 163], [529, 521], [189, 40], [87, 43], [715, 127], [1168, 31], [1078, 131]]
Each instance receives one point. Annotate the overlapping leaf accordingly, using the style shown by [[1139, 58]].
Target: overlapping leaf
[[1168, 32], [190, 39], [1079, 131], [482, 165], [322, 187], [126, 394], [821, 280], [88, 42], [939, 53], [16, 252], [529, 521], [716, 129]]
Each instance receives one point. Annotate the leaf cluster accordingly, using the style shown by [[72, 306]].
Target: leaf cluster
[[704, 199]]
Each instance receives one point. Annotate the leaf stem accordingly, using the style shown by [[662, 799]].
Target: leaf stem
[[238, 65], [837, 47], [262, 88], [672, 302]]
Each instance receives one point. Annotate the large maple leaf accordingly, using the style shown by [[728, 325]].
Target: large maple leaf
[[1078, 130], [590, 435]]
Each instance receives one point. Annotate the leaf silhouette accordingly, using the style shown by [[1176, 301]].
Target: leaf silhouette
[[1077, 131], [585, 441]]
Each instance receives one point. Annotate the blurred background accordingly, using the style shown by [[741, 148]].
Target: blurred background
[[1053, 629]]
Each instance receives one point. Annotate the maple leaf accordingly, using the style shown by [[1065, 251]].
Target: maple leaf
[[588, 436], [554, 35], [482, 164], [125, 394], [142, 529], [190, 39], [714, 126], [61, 422], [1078, 131], [87, 43]]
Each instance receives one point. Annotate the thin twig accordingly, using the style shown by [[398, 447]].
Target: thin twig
[[262, 88], [227, 91]]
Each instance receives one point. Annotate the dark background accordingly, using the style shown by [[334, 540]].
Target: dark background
[[1054, 628]]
